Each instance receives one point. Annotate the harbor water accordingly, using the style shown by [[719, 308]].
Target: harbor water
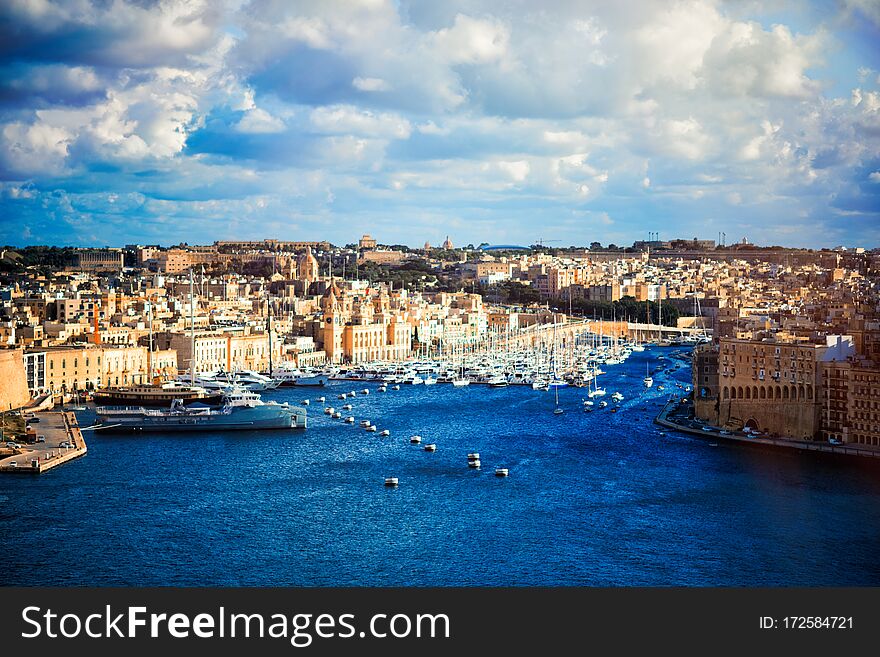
[[593, 499]]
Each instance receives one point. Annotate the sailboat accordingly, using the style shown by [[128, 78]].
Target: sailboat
[[648, 381], [557, 410]]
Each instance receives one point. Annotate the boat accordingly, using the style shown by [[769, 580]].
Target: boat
[[365, 391], [460, 383], [336, 415], [391, 481], [474, 463], [383, 388], [474, 456], [498, 382], [365, 423], [415, 440], [306, 380], [603, 404], [395, 387], [648, 381], [618, 397], [557, 410], [305, 402], [322, 399], [385, 432], [501, 472], [349, 420], [371, 428], [329, 410], [162, 394], [429, 381], [347, 407], [430, 447], [241, 410], [342, 396]]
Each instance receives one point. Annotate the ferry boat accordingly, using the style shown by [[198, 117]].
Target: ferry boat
[[241, 411], [162, 394]]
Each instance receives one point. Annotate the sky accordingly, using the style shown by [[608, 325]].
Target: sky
[[129, 121]]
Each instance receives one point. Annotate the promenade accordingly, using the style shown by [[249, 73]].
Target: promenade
[[57, 428], [679, 417]]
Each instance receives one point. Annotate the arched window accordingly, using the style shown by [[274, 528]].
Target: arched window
[[763, 392], [725, 393], [748, 392]]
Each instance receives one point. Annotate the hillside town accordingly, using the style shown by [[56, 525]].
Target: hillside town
[[793, 336]]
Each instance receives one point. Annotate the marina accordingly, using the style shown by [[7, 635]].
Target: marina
[[621, 499]]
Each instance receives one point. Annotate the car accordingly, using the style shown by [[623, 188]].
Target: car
[[12, 445], [41, 439], [708, 428], [13, 464], [65, 444], [33, 419]]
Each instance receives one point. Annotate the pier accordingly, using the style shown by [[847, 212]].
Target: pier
[[688, 424], [55, 428]]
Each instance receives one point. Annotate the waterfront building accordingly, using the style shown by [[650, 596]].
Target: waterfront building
[[364, 325], [765, 383]]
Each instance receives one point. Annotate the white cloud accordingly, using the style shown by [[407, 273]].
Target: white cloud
[[259, 121], [348, 119], [874, 176], [517, 170], [370, 84], [473, 41]]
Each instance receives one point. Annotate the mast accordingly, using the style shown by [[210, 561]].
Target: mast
[[192, 330], [150, 351], [269, 326]]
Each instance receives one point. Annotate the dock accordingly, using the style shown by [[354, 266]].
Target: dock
[[666, 418], [55, 428]]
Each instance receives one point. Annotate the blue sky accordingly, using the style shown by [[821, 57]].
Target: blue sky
[[504, 122]]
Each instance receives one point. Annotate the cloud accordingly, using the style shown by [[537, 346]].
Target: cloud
[[496, 115], [259, 121], [370, 84]]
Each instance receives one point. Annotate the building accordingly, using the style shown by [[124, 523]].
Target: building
[[361, 325], [14, 389], [73, 368], [35, 372], [95, 260], [366, 243], [447, 245], [851, 402], [383, 257], [767, 384]]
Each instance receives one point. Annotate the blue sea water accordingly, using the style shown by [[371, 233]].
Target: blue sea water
[[592, 499]]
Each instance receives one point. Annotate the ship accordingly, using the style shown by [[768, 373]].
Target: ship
[[241, 411], [163, 394]]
